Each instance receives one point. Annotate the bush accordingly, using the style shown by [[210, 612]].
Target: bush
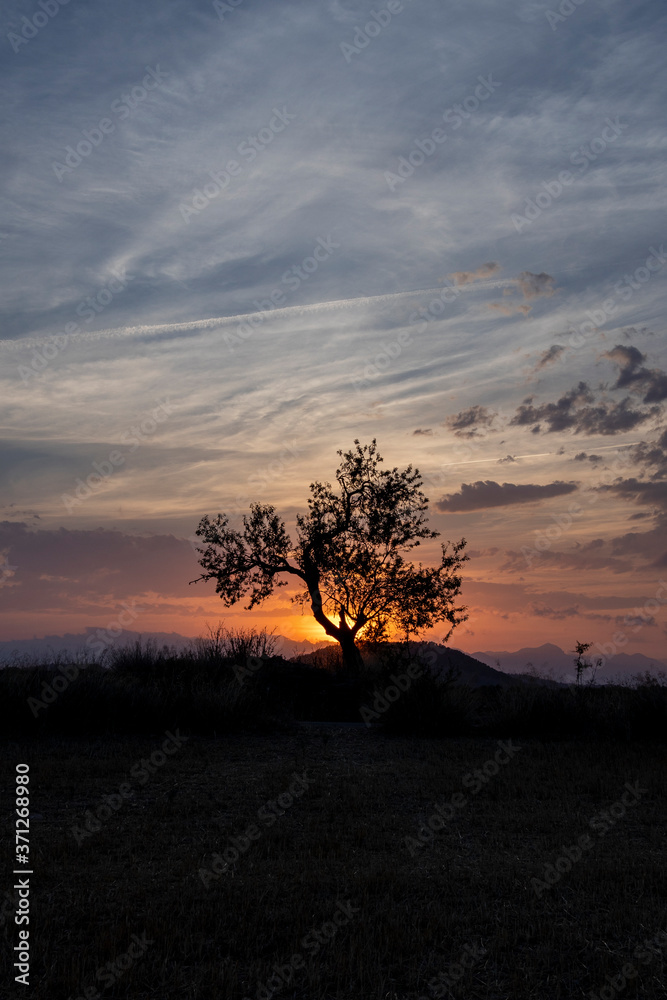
[[433, 705], [147, 691]]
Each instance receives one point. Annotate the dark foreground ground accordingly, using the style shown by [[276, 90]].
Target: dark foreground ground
[[327, 898]]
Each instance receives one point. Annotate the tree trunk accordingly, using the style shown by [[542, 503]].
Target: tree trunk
[[342, 633], [352, 659]]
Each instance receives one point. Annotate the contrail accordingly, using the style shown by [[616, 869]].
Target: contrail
[[223, 321], [533, 454]]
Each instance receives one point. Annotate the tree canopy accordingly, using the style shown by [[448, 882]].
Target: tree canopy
[[349, 555]]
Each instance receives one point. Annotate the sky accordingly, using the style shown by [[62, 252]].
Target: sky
[[235, 237]]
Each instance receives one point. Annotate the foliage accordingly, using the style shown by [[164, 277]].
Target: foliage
[[349, 556], [583, 662]]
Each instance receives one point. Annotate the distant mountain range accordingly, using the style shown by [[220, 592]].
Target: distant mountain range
[[71, 643], [549, 660], [548, 663]]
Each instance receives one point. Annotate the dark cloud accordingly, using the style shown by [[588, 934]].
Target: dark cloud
[[553, 354], [558, 614], [632, 331], [595, 543], [559, 415], [645, 492], [483, 495], [507, 460], [652, 382], [422, 432], [482, 553], [628, 358], [89, 570], [636, 621], [573, 411], [583, 457], [651, 455], [574, 560], [468, 423]]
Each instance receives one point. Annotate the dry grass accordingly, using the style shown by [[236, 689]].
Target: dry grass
[[344, 839]]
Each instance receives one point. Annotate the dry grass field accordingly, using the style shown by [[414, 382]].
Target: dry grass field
[[332, 893]]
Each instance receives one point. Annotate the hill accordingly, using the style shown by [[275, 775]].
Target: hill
[[470, 670], [551, 661]]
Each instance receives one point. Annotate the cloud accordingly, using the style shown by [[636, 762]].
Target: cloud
[[583, 457], [652, 455], [467, 423], [198, 281], [558, 614], [531, 286], [485, 271], [483, 553], [652, 382], [509, 310], [632, 331], [638, 621], [535, 286], [550, 356], [578, 560], [573, 411], [89, 570], [654, 492], [483, 495], [422, 432], [508, 459]]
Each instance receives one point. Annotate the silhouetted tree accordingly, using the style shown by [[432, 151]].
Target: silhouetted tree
[[348, 556], [582, 662]]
